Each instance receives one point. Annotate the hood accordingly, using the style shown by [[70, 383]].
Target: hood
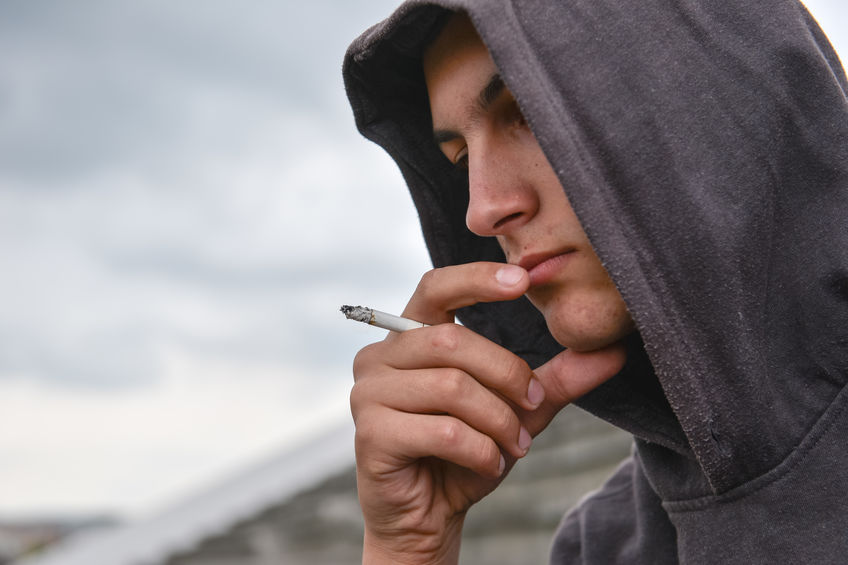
[[704, 148]]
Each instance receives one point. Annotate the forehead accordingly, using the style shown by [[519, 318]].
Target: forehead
[[456, 65]]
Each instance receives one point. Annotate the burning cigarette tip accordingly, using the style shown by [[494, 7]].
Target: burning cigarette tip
[[357, 313], [379, 319]]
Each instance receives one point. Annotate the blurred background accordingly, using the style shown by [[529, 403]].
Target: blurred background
[[184, 205]]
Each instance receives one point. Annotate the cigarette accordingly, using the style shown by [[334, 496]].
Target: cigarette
[[380, 319]]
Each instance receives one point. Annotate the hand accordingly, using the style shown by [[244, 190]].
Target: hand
[[441, 413]]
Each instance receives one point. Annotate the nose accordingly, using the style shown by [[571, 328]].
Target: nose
[[500, 192]]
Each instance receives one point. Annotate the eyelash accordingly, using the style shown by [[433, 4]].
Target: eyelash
[[514, 116]]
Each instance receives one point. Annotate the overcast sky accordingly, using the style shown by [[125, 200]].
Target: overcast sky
[[184, 205]]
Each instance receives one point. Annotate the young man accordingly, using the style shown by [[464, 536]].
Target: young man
[[666, 183]]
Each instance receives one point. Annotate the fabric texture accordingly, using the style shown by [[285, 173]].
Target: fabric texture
[[704, 147]]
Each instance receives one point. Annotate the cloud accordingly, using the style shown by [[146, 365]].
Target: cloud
[[96, 83], [176, 175], [105, 275]]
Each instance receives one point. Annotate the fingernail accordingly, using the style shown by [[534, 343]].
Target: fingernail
[[501, 466], [509, 275], [524, 439], [535, 392]]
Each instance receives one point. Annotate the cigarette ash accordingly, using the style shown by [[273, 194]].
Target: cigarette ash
[[357, 313]]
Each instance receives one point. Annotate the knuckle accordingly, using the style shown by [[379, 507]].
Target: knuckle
[[429, 285], [364, 360], [505, 421], [429, 280], [517, 366], [368, 394], [366, 433], [450, 433], [507, 373], [446, 337], [517, 373], [453, 382], [488, 454]]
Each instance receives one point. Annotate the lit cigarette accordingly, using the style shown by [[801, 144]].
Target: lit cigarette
[[380, 319]]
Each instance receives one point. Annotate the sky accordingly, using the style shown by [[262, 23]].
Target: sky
[[184, 205]]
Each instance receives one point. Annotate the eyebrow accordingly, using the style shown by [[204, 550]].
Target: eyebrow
[[488, 94]]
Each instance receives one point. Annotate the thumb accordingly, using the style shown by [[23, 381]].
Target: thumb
[[568, 376]]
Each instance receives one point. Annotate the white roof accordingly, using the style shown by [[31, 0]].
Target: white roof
[[212, 512]]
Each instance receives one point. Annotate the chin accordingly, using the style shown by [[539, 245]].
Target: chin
[[589, 328], [587, 342]]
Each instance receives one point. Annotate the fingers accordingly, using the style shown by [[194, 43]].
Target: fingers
[[403, 438], [441, 291], [451, 345], [446, 391], [569, 375]]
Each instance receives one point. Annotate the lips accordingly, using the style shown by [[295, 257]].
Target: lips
[[544, 267]]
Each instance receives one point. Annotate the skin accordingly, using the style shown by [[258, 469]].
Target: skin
[[442, 413]]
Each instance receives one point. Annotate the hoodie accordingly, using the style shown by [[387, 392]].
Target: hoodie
[[703, 146]]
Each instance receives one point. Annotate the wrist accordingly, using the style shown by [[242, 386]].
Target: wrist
[[435, 549]]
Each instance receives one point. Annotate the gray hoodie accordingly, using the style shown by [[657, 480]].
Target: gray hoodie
[[703, 145]]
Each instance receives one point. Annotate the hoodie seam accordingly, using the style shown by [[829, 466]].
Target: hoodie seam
[[778, 473]]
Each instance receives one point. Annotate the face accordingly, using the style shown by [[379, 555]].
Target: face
[[514, 194]]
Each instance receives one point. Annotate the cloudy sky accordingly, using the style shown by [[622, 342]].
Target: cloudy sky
[[184, 204]]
